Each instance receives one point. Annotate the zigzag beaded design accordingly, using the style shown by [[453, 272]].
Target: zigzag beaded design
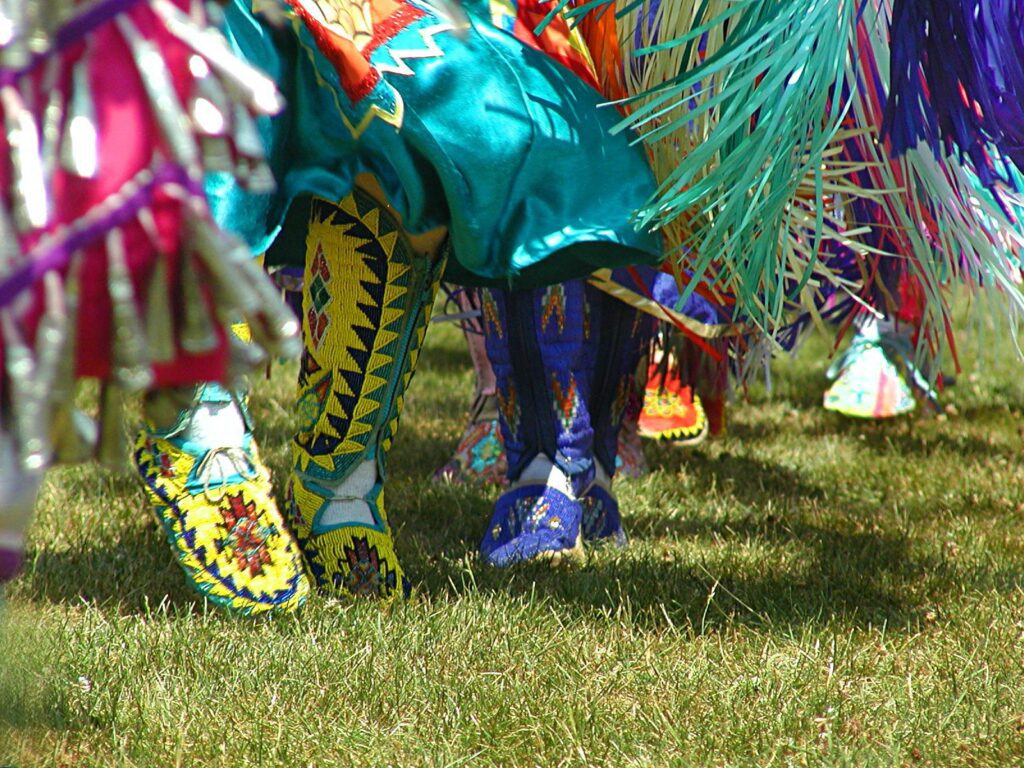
[[371, 295]]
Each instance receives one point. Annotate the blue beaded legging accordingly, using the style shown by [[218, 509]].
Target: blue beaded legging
[[563, 357]]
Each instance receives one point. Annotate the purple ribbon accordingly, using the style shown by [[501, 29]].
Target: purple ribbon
[[74, 30], [58, 255]]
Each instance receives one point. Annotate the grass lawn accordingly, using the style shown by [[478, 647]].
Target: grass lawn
[[806, 591]]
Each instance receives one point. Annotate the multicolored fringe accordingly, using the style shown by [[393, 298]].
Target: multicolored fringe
[[715, 89], [958, 84], [923, 223], [778, 195], [111, 265]]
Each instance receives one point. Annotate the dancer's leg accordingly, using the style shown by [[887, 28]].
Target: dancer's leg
[[368, 295], [479, 455], [539, 342], [620, 338]]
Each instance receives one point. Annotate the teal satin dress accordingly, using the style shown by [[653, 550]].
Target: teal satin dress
[[474, 131]]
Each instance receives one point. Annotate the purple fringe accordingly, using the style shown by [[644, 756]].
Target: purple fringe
[[958, 82]]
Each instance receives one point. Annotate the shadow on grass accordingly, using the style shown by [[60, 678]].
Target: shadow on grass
[[916, 434], [853, 579], [852, 571], [863, 577], [860, 577], [132, 574], [750, 480], [18, 715], [911, 436]]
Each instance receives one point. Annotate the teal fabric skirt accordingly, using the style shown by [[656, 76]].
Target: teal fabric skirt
[[475, 131]]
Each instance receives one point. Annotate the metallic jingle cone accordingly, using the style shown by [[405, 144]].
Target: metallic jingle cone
[[174, 123], [79, 147], [28, 188], [129, 360], [197, 335]]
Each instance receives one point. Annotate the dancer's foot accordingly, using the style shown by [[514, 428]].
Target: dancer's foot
[[538, 518], [344, 534], [212, 495], [672, 412], [480, 455]]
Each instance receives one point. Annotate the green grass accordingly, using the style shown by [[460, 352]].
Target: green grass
[[806, 591]]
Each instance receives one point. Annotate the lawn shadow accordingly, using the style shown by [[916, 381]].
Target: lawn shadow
[[751, 481], [861, 576], [858, 579], [131, 574], [852, 571], [18, 715], [911, 436]]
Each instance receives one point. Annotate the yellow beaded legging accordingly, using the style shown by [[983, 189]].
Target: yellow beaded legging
[[366, 305]]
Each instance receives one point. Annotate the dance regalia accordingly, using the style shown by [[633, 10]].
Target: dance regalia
[[463, 127], [775, 193], [402, 121], [792, 185], [958, 83], [111, 266]]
